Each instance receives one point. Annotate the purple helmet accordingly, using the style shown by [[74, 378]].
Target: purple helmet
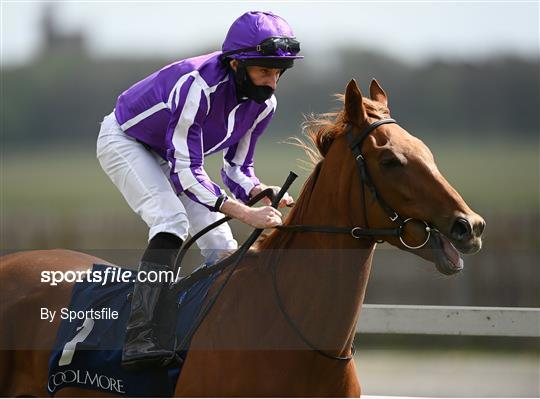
[[261, 35]]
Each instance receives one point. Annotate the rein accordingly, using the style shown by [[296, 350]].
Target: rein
[[357, 232]]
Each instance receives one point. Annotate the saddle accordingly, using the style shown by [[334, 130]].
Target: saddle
[[87, 353]]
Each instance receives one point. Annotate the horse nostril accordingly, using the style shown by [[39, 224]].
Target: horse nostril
[[479, 228], [461, 229]]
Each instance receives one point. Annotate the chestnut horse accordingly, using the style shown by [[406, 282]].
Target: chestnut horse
[[287, 330]]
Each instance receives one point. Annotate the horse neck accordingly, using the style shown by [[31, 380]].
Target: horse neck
[[326, 274]]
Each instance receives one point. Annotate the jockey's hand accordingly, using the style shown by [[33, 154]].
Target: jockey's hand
[[287, 200], [263, 217], [260, 218]]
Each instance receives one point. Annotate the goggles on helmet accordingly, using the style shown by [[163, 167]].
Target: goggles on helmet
[[272, 46]]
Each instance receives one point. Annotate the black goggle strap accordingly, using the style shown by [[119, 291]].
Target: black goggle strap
[[238, 51], [270, 45]]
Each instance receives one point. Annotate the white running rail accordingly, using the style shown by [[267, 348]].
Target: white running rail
[[449, 320]]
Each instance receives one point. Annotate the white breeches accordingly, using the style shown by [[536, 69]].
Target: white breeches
[[143, 178]]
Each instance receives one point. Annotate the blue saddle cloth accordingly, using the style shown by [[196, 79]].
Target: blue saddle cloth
[[87, 352]]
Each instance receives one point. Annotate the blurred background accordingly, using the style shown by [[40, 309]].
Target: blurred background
[[463, 77]]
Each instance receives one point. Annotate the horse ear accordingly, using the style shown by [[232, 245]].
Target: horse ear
[[354, 107], [377, 93]]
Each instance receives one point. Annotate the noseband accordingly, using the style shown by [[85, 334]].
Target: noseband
[[355, 145]]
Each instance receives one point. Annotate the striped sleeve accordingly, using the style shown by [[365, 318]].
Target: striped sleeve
[[185, 146], [238, 172]]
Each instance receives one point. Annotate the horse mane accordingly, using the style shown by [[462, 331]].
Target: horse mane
[[320, 131]]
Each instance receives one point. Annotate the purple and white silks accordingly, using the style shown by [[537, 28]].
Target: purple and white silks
[[189, 109]]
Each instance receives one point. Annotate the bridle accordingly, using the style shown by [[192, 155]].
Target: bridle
[[357, 232], [355, 144]]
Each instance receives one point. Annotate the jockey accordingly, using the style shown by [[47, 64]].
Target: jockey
[[153, 145]]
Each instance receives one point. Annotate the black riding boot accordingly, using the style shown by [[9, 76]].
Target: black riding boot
[[141, 346]]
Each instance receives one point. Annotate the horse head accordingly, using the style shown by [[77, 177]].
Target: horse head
[[401, 187], [405, 175]]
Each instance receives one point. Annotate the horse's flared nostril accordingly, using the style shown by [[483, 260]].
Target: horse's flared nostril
[[479, 227], [461, 230]]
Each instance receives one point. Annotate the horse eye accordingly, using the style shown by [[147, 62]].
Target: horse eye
[[392, 161]]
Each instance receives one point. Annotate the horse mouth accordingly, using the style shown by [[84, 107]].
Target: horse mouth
[[448, 260]]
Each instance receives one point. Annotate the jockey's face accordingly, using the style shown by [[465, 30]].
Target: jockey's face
[[261, 76]]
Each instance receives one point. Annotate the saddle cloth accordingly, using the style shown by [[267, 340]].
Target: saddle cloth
[[87, 352]]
